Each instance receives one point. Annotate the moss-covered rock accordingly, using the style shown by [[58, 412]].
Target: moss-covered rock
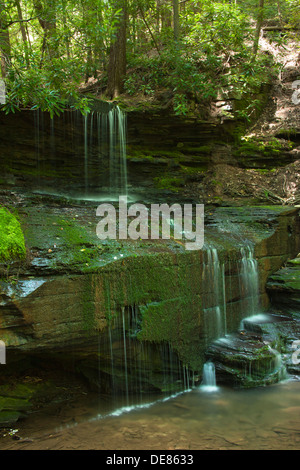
[[12, 243], [284, 286], [259, 354]]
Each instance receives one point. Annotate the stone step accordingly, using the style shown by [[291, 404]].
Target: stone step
[[259, 354], [264, 322]]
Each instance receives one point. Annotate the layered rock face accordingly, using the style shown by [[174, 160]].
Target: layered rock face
[[283, 286], [127, 316], [165, 153], [127, 303]]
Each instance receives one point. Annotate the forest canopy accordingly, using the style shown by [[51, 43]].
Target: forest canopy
[[53, 52]]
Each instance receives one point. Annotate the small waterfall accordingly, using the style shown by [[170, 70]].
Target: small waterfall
[[52, 139], [249, 282], [97, 139], [215, 309], [277, 364], [37, 136], [139, 369], [125, 355], [118, 167], [209, 382], [214, 276], [108, 133]]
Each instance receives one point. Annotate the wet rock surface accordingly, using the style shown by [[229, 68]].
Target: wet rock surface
[[284, 286], [261, 353], [65, 303]]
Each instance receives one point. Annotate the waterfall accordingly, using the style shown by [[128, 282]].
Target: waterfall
[[209, 383], [37, 127], [214, 276], [108, 133], [97, 139], [215, 313], [249, 281], [125, 354], [278, 365], [215, 307], [139, 369]]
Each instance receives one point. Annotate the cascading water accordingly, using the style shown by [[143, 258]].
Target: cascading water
[[278, 365], [209, 382], [139, 369], [118, 167], [243, 354], [97, 141], [214, 277], [249, 282], [109, 131], [216, 315]]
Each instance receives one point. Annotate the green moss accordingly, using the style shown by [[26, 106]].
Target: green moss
[[72, 233], [14, 404], [295, 262], [152, 155], [171, 183], [269, 147], [12, 243], [9, 417], [188, 170]]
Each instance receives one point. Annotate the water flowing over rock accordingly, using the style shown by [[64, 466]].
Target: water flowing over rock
[[139, 318], [75, 155], [133, 317], [209, 383]]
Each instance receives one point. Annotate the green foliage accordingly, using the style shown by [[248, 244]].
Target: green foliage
[[57, 46], [214, 55], [271, 146], [170, 70], [218, 28], [12, 244], [58, 50], [50, 88]]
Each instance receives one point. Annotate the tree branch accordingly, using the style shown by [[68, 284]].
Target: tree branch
[[21, 21]]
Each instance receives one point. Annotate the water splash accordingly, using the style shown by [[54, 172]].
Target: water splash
[[209, 382]]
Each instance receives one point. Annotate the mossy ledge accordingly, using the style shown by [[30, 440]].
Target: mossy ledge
[[56, 301], [74, 311]]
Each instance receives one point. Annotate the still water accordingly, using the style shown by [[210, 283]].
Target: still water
[[257, 419]]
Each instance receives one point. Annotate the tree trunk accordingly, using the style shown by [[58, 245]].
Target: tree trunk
[[23, 31], [176, 20], [47, 20], [5, 48], [259, 23], [166, 16], [117, 56]]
